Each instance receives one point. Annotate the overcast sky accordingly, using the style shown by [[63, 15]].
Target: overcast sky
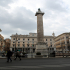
[[18, 16]]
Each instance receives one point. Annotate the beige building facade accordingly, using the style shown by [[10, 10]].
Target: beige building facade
[[2, 43], [27, 43], [62, 42], [7, 42]]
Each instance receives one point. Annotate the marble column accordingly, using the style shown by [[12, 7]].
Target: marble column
[[39, 15], [41, 45]]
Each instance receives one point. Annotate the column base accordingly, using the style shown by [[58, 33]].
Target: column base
[[42, 49]]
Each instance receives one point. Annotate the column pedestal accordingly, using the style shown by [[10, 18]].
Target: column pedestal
[[42, 49]]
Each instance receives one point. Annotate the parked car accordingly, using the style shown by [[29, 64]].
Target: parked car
[[2, 53], [24, 54], [21, 54]]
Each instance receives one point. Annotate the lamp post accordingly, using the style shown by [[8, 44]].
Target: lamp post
[[1, 39], [16, 41], [66, 49], [69, 43], [48, 51], [1, 43], [62, 49], [31, 52], [0, 30]]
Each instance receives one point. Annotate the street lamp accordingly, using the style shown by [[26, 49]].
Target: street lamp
[[31, 52], [62, 49], [69, 43], [1, 39], [66, 48], [48, 51], [0, 30], [1, 43], [16, 41]]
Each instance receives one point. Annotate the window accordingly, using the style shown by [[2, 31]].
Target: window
[[23, 39], [18, 42], [46, 39], [51, 45], [18, 45], [13, 38], [47, 48], [50, 39], [13, 45], [18, 38], [50, 42], [27, 45], [32, 39], [66, 36], [52, 48], [23, 42], [23, 45], [67, 42], [62, 38], [33, 35], [32, 42], [33, 45], [28, 42], [28, 39]]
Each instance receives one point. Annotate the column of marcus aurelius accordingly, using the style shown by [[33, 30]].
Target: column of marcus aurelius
[[41, 45]]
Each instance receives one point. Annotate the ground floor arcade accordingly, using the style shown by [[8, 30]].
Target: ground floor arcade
[[27, 50]]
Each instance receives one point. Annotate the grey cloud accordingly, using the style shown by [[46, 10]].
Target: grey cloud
[[20, 18], [4, 16], [4, 3], [55, 5], [24, 19], [7, 31]]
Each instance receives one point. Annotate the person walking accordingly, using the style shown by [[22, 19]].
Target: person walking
[[9, 54], [53, 53], [17, 54]]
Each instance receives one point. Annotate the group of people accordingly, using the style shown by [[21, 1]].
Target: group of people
[[9, 54]]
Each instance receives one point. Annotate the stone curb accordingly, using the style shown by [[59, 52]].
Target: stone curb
[[34, 58]]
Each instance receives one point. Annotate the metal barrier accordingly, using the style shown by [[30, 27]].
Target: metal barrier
[[62, 54]]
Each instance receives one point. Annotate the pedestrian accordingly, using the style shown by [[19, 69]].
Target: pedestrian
[[17, 54], [54, 53], [9, 54]]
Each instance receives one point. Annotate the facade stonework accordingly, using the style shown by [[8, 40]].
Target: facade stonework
[[40, 32], [1, 43], [62, 42], [7, 42], [27, 42], [41, 45], [40, 28]]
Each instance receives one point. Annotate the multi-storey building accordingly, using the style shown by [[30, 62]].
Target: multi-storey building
[[7, 44], [62, 42], [1, 43], [26, 43], [4, 43]]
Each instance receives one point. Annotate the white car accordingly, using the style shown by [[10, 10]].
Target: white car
[[21, 54]]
